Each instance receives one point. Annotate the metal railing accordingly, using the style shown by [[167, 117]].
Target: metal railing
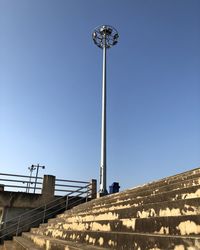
[[68, 186], [32, 184], [36, 216], [21, 183]]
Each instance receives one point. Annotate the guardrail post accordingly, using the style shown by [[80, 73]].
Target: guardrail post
[[48, 187], [45, 207], [93, 187], [88, 193], [1, 187], [67, 201], [18, 223]]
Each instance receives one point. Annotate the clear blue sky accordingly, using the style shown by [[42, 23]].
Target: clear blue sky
[[50, 88]]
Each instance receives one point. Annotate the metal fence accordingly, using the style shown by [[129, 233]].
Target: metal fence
[[21, 183], [32, 184], [67, 186]]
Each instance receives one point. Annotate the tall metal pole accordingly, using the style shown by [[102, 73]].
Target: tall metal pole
[[104, 37], [103, 189]]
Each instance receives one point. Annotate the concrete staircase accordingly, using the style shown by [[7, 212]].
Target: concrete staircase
[[160, 215]]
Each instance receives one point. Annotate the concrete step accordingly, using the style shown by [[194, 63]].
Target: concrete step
[[131, 241], [181, 176], [145, 191], [176, 225], [50, 243], [9, 245], [180, 193], [25, 244], [180, 179], [166, 208], [173, 208], [184, 193]]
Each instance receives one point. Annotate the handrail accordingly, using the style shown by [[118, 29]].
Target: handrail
[[62, 185], [23, 186], [42, 213], [11, 181], [17, 175], [18, 181], [63, 180]]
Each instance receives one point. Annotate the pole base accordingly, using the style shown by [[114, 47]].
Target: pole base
[[102, 193]]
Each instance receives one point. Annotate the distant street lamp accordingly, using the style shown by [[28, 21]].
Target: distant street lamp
[[104, 37]]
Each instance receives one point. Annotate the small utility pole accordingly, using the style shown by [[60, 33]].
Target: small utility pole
[[36, 176], [31, 169]]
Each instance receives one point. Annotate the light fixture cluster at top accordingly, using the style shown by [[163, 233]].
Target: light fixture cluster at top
[[105, 36]]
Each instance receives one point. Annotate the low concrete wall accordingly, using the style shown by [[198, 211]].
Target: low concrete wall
[[22, 200], [13, 204]]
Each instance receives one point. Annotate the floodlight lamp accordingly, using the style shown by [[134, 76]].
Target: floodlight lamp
[[102, 29], [108, 31], [105, 30], [116, 36], [105, 36], [94, 35]]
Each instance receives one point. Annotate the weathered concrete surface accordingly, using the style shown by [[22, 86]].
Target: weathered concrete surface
[[10, 245], [128, 241], [160, 215], [21, 243], [58, 244], [29, 200], [20, 200]]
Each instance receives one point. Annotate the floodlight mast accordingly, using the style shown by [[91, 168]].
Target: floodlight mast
[[104, 37]]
